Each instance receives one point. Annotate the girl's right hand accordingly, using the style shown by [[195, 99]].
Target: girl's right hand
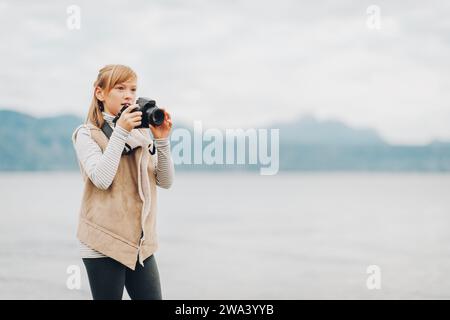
[[128, 120]]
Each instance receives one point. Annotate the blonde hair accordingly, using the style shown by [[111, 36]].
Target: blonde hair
[[108, 76]]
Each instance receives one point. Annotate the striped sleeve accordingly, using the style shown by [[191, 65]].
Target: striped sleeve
[[164, 167], [100, 167], [88, 252]]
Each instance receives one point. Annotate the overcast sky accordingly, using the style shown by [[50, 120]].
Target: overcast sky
[[239, 63]]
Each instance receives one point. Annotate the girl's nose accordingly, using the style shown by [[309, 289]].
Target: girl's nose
[[128, 97]]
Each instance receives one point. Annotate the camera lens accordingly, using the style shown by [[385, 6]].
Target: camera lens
[[158, 117]]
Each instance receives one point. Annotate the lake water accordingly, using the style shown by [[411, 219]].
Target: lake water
[[246, 236]]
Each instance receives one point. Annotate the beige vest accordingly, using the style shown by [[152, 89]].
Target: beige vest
[[111, 221]]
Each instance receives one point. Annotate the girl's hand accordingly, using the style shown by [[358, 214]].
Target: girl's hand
[[128, 120], [163, 130]]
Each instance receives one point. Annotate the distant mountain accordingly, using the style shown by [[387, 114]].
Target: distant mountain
[[439, 143], [310, 131], [28, 143]]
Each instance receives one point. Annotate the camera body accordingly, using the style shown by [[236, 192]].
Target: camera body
[[151, 114]]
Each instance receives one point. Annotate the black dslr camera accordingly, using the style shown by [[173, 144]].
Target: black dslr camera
[[151, 114]]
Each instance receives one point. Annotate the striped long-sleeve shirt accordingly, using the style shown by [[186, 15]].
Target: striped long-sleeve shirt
[[101, 167]]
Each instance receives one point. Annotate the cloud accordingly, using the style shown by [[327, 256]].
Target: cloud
[[240, 63]]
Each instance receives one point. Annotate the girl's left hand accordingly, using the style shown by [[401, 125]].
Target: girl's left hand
[[163, 130]]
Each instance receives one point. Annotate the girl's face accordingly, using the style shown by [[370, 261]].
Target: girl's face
[[124, 92]]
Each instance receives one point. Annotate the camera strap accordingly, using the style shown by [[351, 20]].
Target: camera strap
[[107, 130]]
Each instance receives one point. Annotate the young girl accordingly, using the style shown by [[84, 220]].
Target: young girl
[[117, 220]]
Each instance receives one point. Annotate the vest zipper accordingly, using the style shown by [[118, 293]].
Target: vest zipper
[[140, 247], [140, 243]]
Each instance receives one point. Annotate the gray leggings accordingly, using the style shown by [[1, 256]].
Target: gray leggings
[[107, 278]]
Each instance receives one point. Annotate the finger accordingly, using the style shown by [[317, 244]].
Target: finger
[[166, 114], [137, 115], [133, 116], [130, 108]]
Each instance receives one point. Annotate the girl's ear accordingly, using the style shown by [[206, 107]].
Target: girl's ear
[[99, 94]]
